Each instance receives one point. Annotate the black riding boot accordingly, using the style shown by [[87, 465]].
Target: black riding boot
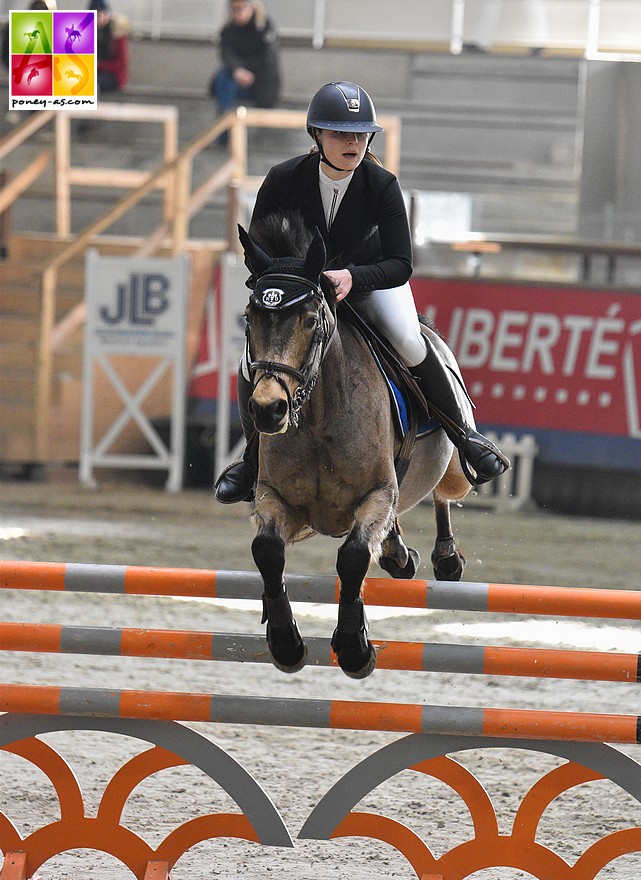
[[438, 384], [236, 483]]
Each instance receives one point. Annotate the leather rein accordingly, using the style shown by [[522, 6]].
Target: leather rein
[[307, 375]]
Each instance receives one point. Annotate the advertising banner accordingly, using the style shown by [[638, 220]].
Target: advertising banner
[[544, 357]]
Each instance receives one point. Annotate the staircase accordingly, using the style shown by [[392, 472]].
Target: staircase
[[20, 278], [20, 295]]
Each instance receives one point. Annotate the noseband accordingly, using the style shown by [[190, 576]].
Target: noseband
[[276, 293]]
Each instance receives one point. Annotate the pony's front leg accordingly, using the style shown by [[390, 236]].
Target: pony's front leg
[[287, 650], [355, 653]]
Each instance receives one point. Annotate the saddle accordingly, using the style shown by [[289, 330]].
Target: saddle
[[412, 417]]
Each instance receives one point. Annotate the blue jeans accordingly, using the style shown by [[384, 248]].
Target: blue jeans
[[227, 91]]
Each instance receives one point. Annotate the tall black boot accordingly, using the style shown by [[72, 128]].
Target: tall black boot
[[438, 384], [236, 483]]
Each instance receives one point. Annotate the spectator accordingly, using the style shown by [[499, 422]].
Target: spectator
[[112, 38], [250, 69]]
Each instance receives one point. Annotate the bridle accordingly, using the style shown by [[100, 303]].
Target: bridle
[[273, 296]]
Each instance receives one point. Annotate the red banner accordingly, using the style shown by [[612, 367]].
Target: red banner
[[541, 356]]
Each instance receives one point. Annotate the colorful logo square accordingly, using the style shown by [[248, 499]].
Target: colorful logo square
[[52, 59]]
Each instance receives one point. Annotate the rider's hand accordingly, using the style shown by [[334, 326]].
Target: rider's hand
[[342, 281], [245, 78]]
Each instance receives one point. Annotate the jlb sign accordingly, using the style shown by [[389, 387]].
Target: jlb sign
[[135, 333], [141, 300], [554, 358]]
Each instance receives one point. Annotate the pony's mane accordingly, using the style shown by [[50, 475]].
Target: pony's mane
[[282, 235]]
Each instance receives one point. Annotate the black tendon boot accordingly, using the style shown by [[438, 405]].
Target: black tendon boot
[[439, 386], [236, 483]]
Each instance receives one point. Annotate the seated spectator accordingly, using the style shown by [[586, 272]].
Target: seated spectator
[[112, 38], [250, 71]]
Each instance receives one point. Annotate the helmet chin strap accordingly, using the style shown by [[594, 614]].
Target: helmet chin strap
[[326, 160]]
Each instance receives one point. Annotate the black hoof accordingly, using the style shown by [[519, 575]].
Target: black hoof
[[357, 664], [448, 563], [287, 650], [355, 653], [450, 569], [391, 566]]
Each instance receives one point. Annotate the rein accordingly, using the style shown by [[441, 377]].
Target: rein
[[307, 375]]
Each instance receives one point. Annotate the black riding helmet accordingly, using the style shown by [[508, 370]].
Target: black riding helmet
[[341, 106]]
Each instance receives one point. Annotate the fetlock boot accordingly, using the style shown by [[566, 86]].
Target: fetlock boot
[[439, 386], [236, 483]]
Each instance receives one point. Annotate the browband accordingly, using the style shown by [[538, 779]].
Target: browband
[[280, 290]]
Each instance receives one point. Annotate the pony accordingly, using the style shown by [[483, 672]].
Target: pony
[[328, 443]]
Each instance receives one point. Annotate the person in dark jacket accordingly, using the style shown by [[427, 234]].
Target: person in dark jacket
[[112, 47], [358, 206], [250, 69]]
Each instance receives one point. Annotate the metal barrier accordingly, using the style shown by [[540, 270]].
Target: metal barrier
[[434, 731]]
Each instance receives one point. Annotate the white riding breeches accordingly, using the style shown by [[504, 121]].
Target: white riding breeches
[[393, 313]]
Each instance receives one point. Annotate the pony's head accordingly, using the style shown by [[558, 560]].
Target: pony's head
[[290, 317]]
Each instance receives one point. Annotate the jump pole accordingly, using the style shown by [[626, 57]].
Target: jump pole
[[387, 592], [321, 714], [251, 648]]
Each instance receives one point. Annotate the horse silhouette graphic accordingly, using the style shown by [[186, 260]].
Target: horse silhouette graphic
[[71, 74], [73, 34], [33, 73], [33, 35]]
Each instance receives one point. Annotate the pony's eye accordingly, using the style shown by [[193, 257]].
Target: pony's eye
[[310, 322]]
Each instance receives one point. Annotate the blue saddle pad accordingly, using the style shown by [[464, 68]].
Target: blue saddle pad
[[399, 408]]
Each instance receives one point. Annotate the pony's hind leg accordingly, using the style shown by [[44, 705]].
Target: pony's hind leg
[[287, 650], [448, 563], [397, 559]]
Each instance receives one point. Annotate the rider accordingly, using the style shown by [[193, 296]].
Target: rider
[[358, 207]]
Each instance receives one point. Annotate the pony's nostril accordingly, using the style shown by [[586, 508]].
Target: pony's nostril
[[279, 409], [269, 418]]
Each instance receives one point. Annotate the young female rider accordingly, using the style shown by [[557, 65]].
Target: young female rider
[[358, 207]]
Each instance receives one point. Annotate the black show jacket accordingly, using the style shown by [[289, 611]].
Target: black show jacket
[[370, 234]]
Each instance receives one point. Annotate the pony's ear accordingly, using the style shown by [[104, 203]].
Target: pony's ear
[[316, 256], [256, 260]]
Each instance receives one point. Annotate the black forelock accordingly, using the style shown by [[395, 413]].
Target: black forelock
[[281, 235], [286, 239]]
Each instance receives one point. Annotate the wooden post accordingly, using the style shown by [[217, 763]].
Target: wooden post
[[157, 871], [181, 193], [14, 867], [63, 183], [170, 151], [4, 219], [392, 127], [43, 379]]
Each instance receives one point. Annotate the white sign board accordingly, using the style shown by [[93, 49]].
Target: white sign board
[[135, 307], [232, 342]]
